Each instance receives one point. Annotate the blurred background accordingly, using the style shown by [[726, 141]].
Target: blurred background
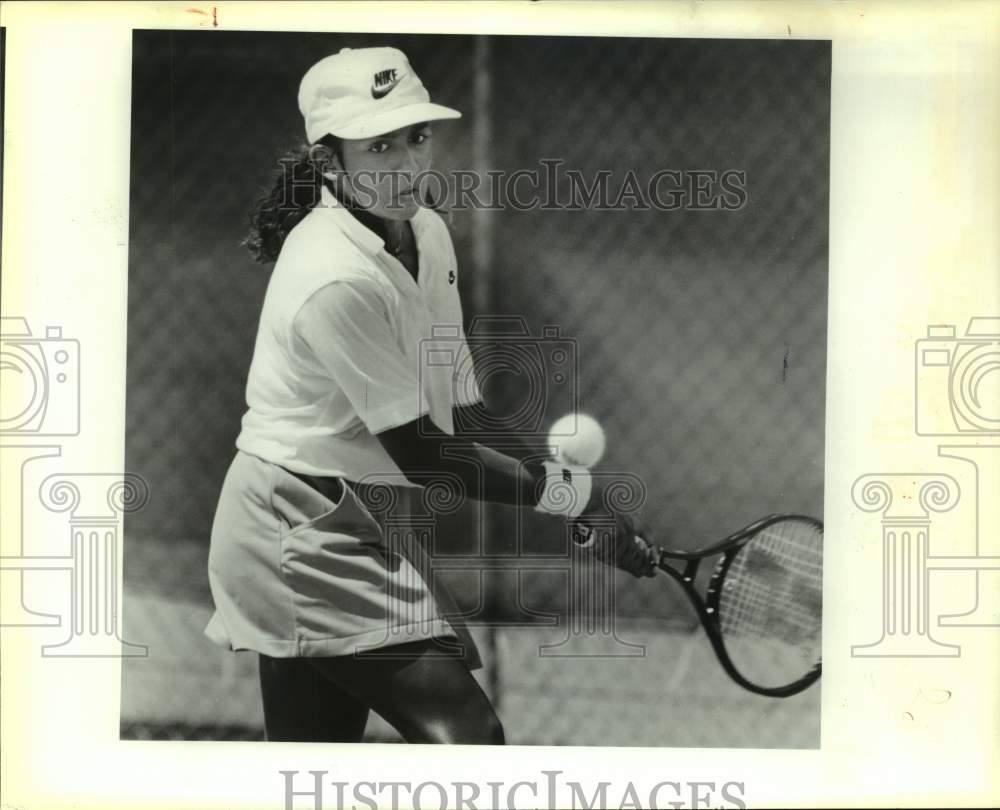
[[697, 338]]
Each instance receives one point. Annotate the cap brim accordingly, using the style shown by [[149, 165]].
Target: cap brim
[[380, 123]]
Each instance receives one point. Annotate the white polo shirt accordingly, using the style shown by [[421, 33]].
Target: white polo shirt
[[349, 345]]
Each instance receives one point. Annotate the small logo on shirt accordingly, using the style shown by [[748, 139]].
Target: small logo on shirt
[[384, 82], [567, 476], [451, 276]]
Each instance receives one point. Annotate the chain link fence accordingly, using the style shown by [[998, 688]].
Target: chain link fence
[[696, 337]]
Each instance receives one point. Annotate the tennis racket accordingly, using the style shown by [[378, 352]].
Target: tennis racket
[[762, 609]]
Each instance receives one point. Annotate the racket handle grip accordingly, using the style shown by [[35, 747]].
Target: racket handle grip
[[584, 537], [657, 549]]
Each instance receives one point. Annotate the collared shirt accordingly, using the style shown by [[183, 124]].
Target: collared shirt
[[350, 344]]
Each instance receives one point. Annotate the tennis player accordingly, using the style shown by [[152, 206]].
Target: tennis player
[[341, 411]]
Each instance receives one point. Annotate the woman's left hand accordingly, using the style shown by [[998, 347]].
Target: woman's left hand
[[629, 546]]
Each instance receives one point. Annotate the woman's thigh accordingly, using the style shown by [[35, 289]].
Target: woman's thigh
[[302, 705], [428, 697]]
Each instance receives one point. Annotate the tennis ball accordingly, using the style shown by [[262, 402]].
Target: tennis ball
[[577, 439]]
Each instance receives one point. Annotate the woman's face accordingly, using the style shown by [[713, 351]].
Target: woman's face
[[382, 174]]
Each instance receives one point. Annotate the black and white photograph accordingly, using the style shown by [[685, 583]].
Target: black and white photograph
[[478, 384], [518, 403]]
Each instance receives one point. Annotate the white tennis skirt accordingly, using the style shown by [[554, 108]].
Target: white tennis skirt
[[294, 574]]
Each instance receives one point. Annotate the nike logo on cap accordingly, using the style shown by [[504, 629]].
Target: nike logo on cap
[[384, 82]]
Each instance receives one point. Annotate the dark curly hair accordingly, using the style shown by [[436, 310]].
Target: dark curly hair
[[295, 192]]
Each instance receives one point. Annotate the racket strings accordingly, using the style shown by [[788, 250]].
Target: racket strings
[[756, 601], [771, 602]]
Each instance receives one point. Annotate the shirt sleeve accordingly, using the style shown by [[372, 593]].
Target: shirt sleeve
[[347, 329]]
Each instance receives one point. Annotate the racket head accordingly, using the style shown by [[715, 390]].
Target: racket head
[[766, 596]]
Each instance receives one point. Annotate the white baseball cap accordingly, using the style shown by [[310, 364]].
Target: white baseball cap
[[364, 92]]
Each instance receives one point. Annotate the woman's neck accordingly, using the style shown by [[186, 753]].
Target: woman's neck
[[392, 232]]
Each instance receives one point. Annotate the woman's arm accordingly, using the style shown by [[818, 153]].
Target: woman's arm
[[422, 451], [478, 420]]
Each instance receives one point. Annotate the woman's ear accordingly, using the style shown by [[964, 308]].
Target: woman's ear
[[326, 161]]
